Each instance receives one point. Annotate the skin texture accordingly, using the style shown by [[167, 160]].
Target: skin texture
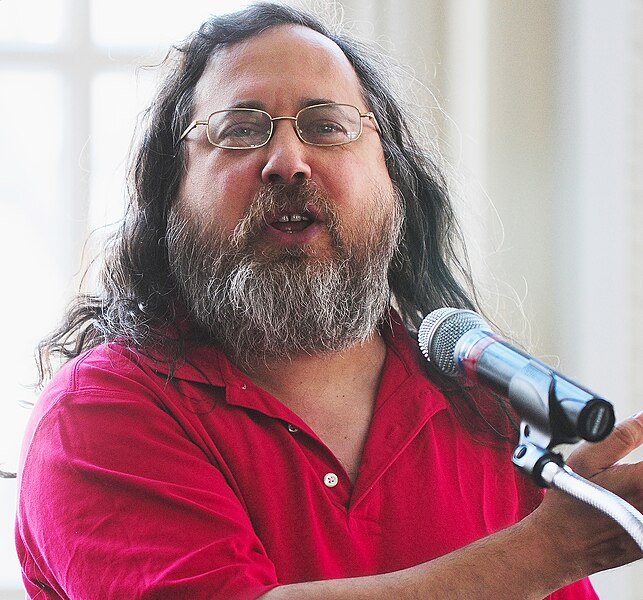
[[281, 71]]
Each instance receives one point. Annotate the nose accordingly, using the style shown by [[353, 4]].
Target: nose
[[287, 160]]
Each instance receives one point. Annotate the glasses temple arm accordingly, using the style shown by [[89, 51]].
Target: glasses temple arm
[[190, 127], [371, 116]]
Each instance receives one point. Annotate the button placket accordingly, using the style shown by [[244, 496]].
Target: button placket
[[330, 479]]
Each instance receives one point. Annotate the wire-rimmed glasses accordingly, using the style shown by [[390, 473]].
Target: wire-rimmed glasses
[[329, 124]]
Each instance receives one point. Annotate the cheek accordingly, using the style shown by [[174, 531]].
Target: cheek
[[364, 185], [214, 191]]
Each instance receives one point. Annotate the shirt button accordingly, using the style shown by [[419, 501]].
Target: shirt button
[[331, 480], [292, 428]]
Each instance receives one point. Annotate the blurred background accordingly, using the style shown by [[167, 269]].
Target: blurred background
[[537, 106]]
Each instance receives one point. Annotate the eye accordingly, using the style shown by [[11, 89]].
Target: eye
[[329, 124], [324, 128], [239, 128]]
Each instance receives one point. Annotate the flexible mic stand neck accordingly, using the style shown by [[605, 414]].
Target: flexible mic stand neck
[[547, 469], [565, 480]]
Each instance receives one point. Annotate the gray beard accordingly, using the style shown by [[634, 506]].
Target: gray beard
[[266, 304]]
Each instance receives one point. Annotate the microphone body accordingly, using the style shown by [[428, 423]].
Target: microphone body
[[557, 409]]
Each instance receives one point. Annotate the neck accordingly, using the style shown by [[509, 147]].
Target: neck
[[328, 376], [334, 393]]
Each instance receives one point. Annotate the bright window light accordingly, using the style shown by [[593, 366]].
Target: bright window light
[[117, 99], [151, 23], [31, 21], [33, 269]]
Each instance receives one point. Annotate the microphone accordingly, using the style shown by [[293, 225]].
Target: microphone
[[554, 409]]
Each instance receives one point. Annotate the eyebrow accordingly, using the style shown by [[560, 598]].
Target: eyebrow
[[258, 105], [313, 101], [249, 104]]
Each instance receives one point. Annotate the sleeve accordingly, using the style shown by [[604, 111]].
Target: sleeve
[[116, 502], [580, 590]]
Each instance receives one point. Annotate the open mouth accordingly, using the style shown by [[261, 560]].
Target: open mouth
[[293, 222]]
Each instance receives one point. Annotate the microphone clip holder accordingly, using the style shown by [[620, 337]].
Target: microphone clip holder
[[534, 397], [548, 469]]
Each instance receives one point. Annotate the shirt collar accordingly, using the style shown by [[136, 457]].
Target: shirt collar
[[206, 364]]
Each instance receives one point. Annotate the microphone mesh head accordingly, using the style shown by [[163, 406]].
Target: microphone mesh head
[[440, 332]]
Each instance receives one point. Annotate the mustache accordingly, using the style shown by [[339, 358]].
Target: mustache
[[273, 199]]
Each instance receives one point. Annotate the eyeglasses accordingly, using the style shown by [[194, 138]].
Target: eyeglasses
[[318, 125]]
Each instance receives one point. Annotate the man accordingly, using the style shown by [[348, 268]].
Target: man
[[244, 414]]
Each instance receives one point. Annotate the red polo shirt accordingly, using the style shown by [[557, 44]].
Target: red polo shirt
[[206, 486]]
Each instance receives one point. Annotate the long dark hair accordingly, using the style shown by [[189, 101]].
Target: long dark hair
[[137, 299]]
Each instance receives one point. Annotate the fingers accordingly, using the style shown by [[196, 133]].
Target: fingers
[[595, 540], [590, 459]]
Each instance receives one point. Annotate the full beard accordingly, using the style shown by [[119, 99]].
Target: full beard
[[267, 303]]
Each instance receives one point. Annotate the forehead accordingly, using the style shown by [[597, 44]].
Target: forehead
[[282, 68]]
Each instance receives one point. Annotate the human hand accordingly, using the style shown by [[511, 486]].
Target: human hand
[[581, 538]]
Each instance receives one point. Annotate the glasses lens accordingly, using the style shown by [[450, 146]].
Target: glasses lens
[[329, 124], [239, 128]]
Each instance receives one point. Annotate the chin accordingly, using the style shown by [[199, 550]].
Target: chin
[[316, 250]]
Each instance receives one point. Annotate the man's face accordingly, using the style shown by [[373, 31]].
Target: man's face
[[263, 286], [281, 71]]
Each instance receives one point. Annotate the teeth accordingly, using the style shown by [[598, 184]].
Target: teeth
[[295, 218]]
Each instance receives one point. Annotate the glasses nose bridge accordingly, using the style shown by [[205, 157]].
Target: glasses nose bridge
[[295, 124], [273, 119]]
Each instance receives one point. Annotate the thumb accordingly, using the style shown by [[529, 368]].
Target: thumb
[[592, 458]]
